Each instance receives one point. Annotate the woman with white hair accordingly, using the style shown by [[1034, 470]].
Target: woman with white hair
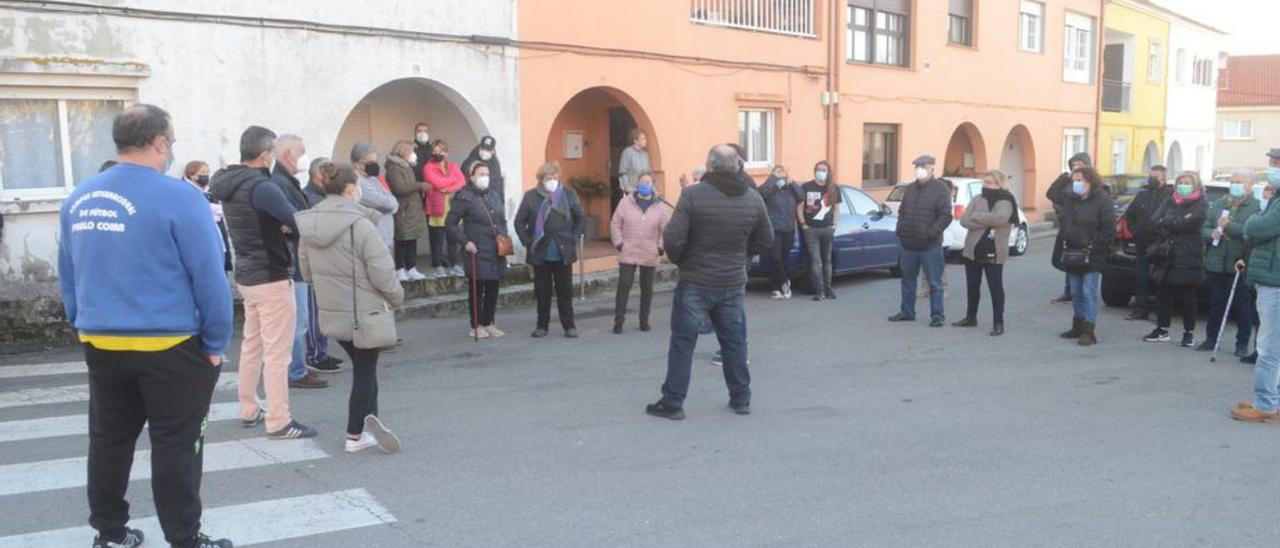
[[989, 217], [1224, 229]]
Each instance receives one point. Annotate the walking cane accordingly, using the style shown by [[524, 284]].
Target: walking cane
[[475, 303], [582, 268], [1222, 328]]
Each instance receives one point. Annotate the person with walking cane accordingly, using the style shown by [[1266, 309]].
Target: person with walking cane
[[1224, 231], [476, 219]]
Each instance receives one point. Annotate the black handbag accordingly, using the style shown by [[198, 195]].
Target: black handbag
[[1076, 259], [984, 252]]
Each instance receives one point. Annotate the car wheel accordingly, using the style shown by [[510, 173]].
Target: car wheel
[[1021, 242], [1115, 295], [896, 270]]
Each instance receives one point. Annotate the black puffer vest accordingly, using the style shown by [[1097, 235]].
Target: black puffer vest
[[262, 249]]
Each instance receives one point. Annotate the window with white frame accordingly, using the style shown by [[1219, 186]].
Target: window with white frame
[[1031, 27], [1237, 130], [756, 130], [1077, 56], [1203, 73], [1155, 61], [1180, 69], [960, 22], [1119, 155], [877, 32], [47, 146], [1074, 141]]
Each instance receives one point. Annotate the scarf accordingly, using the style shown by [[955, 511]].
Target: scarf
[[1179, 199], [644, 203], [554, 202], [993, 196]]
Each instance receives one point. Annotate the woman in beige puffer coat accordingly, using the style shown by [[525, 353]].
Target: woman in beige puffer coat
[[340, 249]]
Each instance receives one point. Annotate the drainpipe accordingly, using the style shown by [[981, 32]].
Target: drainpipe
[[1099, 44], [832, 109]]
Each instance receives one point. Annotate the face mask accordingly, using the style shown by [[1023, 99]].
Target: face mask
[[482, 182], [372, 169], [1236, 190], [271, 166], [303, 162], [437, 157], [423, 137], [1078, 187], [644, 190], [202, 180], [1273, 175], [922, 174], [1185, 190], [780, 182], [551, 185], [1153, 181], [413, 159], [821, 176], [486, 155]]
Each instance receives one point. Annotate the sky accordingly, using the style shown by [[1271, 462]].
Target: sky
[[1250, 23]]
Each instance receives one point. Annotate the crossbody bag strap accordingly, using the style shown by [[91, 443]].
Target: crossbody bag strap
[[485, 203], [355, 310]]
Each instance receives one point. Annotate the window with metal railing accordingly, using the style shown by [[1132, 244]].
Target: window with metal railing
[[791, 17], [1116, 95]]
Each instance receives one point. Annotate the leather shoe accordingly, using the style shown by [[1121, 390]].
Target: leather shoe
[[997, 330], [311, 380], [900, 317], [741, 408], [966, 322], [1250, 414], [937, 322], [539, 333], [571, 333]]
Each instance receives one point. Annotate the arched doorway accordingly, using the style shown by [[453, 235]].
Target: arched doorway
[[587, 139], [966, 152], [1175, 159], [1018, 161], [389, 112], [1151, 157]]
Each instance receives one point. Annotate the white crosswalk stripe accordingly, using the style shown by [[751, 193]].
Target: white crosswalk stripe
[[78, 425], [32, 477], [293, 517], [43, 369], [74, 393]]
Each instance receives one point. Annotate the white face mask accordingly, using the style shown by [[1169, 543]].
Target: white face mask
[[551, 185], [922, 174], [482, 182], [820, 176], [303, 162], [423, 137], [413, 159], [486, 155]]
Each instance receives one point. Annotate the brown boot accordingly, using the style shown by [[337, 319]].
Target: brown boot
[[1087, 337], [1074, 333], [1250, 414]]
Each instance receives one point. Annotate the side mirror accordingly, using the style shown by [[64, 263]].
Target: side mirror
[[884, 211]]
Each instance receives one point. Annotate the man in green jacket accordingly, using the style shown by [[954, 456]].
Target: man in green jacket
[[1262, 232], [1224, 231]]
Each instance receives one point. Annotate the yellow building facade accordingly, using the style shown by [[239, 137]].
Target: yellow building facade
[[1135, 73]]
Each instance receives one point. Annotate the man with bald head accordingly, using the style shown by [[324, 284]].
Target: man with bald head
[[716, 228]]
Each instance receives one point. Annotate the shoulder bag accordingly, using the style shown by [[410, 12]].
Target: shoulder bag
[[984, 252], [1076, 259], [505, 247], [378, 328]]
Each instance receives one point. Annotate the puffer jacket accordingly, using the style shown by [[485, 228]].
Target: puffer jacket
[[1180, 225], [476, 217], [637, 233], [338, 240], [1141, 212], [445, 178], [261, 248], [717, 226], [781, 202], [410, 222], [1087, 223], [564, 228], [1262, 233], [1222, 258], [924, 215], [376, 197]]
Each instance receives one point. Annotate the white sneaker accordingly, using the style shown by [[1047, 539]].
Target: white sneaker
[[366, 441], [386, 441], [414, 275], [458, 272], [402, 275], [439, 272], [786, 290], [777, 295]]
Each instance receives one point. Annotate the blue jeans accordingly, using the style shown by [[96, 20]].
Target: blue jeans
[[298, 366], [726, 306], [1085, 291], [933, 261], [1266, 374], [317, 343]]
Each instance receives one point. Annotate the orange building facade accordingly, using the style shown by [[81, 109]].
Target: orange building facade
[[866, 84]]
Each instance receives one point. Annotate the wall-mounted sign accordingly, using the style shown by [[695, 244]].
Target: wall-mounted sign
[[573, 143]]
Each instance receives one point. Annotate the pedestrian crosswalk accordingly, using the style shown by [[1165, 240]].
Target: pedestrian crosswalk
[[64, 475]]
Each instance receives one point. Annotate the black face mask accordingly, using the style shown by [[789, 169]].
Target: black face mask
[[202, 180], [1154, 182], [372, 169], [437, 157]]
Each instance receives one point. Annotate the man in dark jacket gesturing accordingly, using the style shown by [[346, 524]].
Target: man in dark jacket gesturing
[[1140, 217], [924, 215], [717, 226]]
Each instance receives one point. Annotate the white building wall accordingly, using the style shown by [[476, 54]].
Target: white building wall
[[216, 78], [1190, 114], [1248, 153]]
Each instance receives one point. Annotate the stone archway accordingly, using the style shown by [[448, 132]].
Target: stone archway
[[1151, 157], [587, 138], [1018, 162], [388, 113], [1175, 159], [966, 152]]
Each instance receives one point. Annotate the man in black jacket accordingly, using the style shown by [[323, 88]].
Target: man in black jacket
[[421, 147], [717, 226], [1140, 218], [1059, 195], [924, 215]]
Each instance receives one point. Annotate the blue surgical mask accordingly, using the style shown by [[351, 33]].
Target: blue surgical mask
[[780, 182], [1236, 190], [1185, 190], [644, 190], [821, 176], [1273, 175], [1078, 187]]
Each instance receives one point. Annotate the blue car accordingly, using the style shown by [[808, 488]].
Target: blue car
[[865, 240]]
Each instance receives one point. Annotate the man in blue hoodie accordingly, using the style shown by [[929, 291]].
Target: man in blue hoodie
[[142, 283]]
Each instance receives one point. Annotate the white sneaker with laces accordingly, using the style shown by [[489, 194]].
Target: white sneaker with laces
[[366, 441], [384, 438], [439, 272], [402, 275], [414, 275], [457, 271]]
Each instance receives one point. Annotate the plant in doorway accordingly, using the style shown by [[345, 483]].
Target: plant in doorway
[[589, 189]]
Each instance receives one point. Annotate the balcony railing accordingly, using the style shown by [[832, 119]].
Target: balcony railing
[[792, 17], [1116, 96]]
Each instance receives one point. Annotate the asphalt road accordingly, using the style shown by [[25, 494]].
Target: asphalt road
[[864, 433]]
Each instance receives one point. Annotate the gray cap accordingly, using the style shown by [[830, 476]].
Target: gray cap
[[1274, 153], [925, 160]]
